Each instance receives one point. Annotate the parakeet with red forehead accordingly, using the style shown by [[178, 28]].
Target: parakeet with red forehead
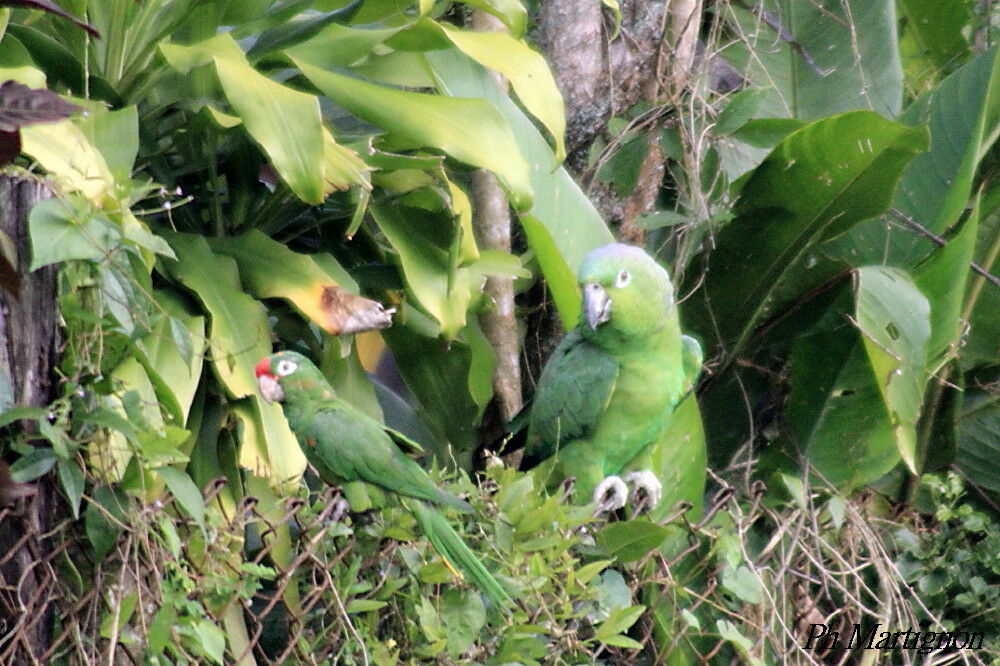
[[345, 444], [606, 395]]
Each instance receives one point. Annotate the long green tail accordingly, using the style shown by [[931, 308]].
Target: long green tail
[[451, 547]]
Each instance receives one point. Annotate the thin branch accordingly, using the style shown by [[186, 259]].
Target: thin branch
[[940, 242]]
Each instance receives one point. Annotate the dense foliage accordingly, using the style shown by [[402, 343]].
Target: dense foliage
[[241, 172]]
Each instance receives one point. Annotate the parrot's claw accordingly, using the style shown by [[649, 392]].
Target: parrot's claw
[[340, 509], [610, 495], [647, 489], [566, 488]]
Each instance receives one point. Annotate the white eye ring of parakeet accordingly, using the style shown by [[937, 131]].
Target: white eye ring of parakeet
[[622, 279], [286, 367]]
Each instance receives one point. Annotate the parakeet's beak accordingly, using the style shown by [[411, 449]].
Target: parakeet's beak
[[596, 305], [267, 383]]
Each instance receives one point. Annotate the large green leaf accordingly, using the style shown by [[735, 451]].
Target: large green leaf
[[680, 460], [115, 134], [339, 45], [268, 447], [450, 381], [856, 387], [817, 183], [468, 130], [61, 230], [238, 331], [829, 56], [894, 320], [238, 338], [70, 159], [443, 290], [174, 374], [979, 432], [936, 29], [562, 224], [803, 60], [982, 346], [270, 270], [963, 116], [285, 122], [526, 71], [942, 277]]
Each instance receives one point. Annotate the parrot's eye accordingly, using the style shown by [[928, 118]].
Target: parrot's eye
[[286, 367], [622, 279]]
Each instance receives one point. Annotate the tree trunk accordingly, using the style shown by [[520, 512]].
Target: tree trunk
[[492, 226], [27, 354]]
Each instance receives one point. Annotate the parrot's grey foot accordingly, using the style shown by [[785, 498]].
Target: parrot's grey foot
[[647, 489], [610, 495], [566, 488], [339, 510]]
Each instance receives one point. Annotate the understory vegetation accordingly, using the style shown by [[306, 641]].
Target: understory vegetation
[[822, 181]]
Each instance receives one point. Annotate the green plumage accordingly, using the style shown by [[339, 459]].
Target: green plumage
[[345, 444], [607, 393]]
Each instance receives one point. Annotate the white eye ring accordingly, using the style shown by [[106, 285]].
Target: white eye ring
[[622, 279], [286, 367]]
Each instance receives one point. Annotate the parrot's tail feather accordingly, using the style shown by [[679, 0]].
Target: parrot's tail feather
[[451, 547]]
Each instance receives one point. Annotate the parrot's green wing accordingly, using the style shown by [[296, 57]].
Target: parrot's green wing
[[572, 394], [355, 447]]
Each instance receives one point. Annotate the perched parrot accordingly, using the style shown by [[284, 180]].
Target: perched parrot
[[344, 445], [608, 391]]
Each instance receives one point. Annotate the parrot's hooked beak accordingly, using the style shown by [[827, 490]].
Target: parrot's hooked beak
[[267, 383], [596, 305]]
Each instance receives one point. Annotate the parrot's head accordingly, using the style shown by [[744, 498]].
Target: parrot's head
[[288, 374], [626, 294]]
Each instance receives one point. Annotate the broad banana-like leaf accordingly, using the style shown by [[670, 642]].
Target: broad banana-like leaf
[[340, 45], [268, 447], [963, 116], [818, 183], [523, 67], [238, 333], [856, 387], [818, 58], [285, 122], [932, 37], [942, 278], [270, 270], [978, 454], [115, 134], [469, 130], [175, 376], [451, 381], [441, 288], [71, 160], [562, 224], [238, 338], [894, 320]]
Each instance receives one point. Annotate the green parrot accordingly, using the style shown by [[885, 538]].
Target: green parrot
[[345, 444], [606, 394]]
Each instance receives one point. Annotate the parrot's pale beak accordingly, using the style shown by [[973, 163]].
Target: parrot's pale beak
[[267, 383], [596, 305]]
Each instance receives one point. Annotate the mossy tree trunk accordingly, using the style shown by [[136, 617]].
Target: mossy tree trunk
[[27, 353]]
